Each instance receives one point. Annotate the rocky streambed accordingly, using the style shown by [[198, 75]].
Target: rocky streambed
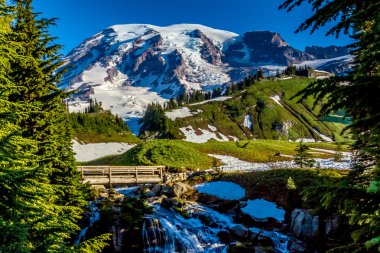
[[208, 217]]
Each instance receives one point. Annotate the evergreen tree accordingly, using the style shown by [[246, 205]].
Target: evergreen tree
[[354, 93], [41, 195], [303, 158]]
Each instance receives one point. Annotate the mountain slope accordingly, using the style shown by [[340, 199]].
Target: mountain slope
[[264, 111], [127, 67]]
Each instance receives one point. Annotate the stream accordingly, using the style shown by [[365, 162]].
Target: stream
[[167, 231]]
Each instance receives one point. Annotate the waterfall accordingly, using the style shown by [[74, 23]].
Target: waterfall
[[166, 231], [94, 216], [279, 240]]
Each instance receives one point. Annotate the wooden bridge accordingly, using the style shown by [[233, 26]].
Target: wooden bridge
[[117, 175]]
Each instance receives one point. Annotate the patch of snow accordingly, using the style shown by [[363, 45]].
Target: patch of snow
[[277, 99], [78, 106], [315, 64], [324, 137], [221, 189], [212, 100], [92, 151], [263, 209], [205, 135], [212, 128], [182, 112], [247, 121], [305, 140], [331, 151], [233, 138], [234, 164]]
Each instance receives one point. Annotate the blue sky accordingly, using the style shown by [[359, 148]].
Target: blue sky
[[80, 19]]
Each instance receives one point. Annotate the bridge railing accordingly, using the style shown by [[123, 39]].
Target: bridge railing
[[121, 174]]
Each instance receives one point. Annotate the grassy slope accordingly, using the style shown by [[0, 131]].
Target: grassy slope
[[228, 116], [177, 154], [100, 127]]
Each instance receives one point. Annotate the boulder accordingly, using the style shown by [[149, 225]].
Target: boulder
[[166, 190], [166, 203], [239, 230], [154, 191], [181, 188], [304, 225], [331, 225], [226, 237]]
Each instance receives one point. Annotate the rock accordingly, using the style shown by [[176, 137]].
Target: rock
[[260, 250], [154, 191], [254, 233], [297, 246], [331, 225], [181, 188], [226, 237], [166, 190], [177, 202], [239, 230], [304, 225], [100, 188], [166, 203]]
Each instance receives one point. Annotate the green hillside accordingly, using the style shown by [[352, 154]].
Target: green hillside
[[182, 155], [289, 121]]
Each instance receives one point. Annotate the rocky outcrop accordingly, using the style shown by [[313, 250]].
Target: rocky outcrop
[[313, 228], [263, 48], [180, 189], [208, 50]]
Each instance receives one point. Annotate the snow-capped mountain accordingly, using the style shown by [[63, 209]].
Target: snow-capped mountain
[[127, 67]]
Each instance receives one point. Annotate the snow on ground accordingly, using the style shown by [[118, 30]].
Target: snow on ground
[[315, 64], [205, 135], [262, 209], [324, 137], [247, 121], [277, 99], [234, 164], [182, 112], [348, 154], [91, 151], [212, 100], [78, 106], [221, 189], [305, 140]]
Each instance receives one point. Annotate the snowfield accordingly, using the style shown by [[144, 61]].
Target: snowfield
[[277, 99], [182, 112], [92, 151], [234, 164], [202, 135], [221, 189], [212, 100]]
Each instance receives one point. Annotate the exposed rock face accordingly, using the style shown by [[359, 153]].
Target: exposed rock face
[[156, 63], [181, 188], [263, 48], [239, 230], [327, 52], [208, 50]]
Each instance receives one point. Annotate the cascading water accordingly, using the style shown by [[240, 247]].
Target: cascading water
[[280, 241], [166, 231], [94, 216]]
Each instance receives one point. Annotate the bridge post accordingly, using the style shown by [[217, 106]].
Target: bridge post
[[81, 172], [136, 174], [109, 175]]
